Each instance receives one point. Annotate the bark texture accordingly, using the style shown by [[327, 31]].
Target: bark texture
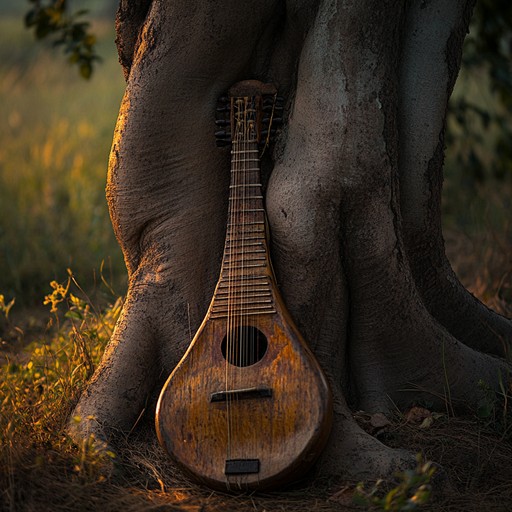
[[352, 196]]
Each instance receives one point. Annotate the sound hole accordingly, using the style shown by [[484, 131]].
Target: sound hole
[[244, 346]]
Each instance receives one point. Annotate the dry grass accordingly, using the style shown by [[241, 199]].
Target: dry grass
[[483, 263], [473, 458], [42, 469], [474, 464], [479, 241]]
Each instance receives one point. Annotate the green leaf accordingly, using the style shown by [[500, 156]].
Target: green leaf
[[30, 18], [86, 70], [74, 314]]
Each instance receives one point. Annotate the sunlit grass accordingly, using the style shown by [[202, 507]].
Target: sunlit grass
[[55, 141], [41, 468], [38, 388]]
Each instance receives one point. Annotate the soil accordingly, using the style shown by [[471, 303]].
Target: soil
[[473, 474]]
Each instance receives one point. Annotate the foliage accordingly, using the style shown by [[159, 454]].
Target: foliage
[[479, 122], [412, 492], [51, 18], [38, 391]]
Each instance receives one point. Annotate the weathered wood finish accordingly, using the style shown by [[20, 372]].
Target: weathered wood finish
[[285, 431]]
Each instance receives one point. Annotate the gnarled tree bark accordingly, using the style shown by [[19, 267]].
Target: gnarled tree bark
[[352, 195]]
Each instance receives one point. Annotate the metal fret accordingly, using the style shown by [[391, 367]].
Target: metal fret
[[244, 281], [244, 301], [248, 210], [242, 241], [223, 295], [245, 185], [246, 198], [243, 265], [248, 257], [233, 252], [256, 222], [224, 314], [234, 152]]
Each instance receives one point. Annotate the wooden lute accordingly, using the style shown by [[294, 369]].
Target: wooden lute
[[248, 406]]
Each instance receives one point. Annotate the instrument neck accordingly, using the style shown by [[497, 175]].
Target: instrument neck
[[246, 214], [246, 276]]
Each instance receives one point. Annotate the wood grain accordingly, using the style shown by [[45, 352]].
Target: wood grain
[[285, 432], [276, 434]]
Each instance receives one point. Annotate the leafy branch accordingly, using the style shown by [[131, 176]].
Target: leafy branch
[[52, 20]]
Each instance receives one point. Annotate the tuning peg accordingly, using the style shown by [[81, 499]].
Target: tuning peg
[[222, 122], [275, 120], [223, 138], [223, 104], [264, 133], [273, 108]]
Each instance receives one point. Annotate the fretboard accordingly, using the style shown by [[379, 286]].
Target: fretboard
[[244, 286]]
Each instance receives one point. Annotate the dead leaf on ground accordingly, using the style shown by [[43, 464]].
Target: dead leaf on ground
[[419, 416]]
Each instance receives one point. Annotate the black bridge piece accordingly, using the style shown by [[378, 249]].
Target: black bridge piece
[[242, 466], [241, 394]]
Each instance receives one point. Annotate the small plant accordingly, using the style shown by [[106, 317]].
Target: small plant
[[93, 459], [6, 308], [412, 491], [38, 391], [494, 407], [8, 330]]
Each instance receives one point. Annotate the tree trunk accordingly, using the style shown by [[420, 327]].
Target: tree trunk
[[352, 196]]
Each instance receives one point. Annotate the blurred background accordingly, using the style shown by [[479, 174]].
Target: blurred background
[[55, 139], [57, 128]]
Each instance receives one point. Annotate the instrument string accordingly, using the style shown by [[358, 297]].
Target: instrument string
[[229, 299], [242, 334], [232, 331], [241, 340]]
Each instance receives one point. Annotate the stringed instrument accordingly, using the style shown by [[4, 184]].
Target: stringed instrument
[[248, 406]]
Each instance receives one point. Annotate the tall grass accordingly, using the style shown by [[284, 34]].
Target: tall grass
[[55, 141], [38, 389], [54, 144]]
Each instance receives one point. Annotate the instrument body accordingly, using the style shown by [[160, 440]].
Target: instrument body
[[248, 406]]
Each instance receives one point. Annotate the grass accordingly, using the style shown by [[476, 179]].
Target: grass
[[53, 157], [41, 468]]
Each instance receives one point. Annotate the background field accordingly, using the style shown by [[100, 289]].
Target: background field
[[55, 138], [54, 144]]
